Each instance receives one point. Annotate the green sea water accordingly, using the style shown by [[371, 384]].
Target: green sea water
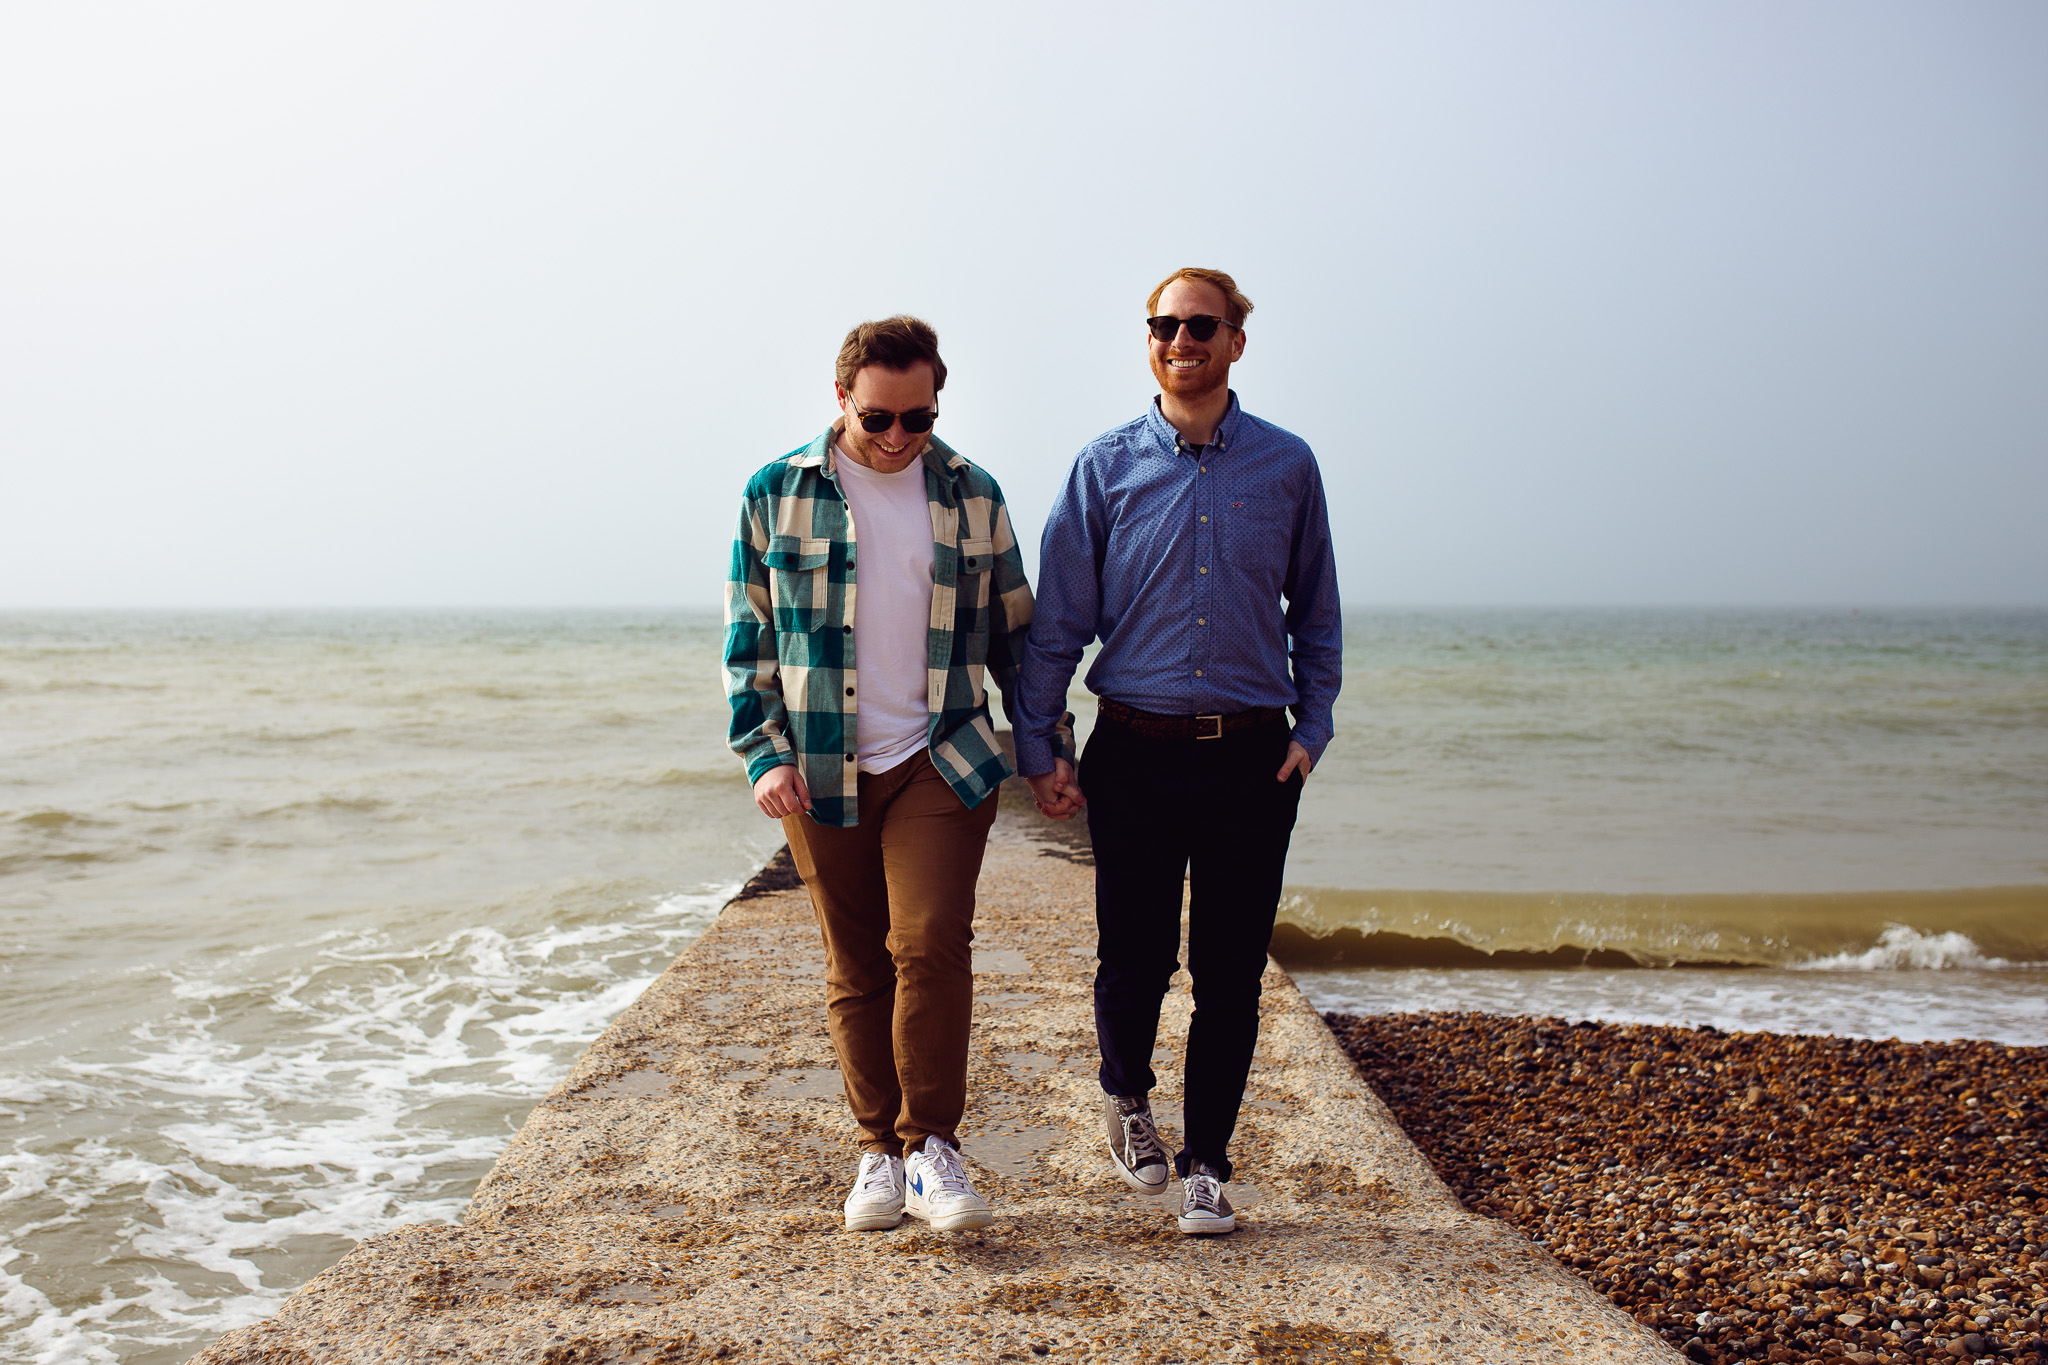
[[299, 913]]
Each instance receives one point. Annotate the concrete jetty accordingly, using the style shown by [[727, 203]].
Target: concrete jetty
[[676, 1197]]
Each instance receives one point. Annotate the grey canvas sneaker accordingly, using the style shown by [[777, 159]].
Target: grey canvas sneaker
[[1202, 1205], [1134, 1143]]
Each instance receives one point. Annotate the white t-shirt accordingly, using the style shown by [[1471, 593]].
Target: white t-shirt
[[892, 609]]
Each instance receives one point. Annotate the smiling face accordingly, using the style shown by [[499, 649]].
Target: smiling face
[[1188, 369], [876, 388]]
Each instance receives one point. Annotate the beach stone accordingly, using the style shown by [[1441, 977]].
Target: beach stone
[[1849, 1213], [676, 1197]]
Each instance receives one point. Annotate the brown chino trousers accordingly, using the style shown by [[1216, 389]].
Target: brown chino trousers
[[895, 902]]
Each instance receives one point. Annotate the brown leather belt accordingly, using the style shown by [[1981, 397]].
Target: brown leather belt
[[1154, 726]]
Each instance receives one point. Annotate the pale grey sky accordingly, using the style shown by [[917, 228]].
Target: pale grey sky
[[468, 304]]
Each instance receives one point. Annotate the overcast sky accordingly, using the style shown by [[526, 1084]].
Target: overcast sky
[[418, 304]]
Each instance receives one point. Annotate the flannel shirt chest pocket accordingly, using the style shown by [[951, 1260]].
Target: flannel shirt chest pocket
[[976, 557], [799, 581]]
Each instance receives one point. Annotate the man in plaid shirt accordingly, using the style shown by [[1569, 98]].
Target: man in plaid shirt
[[855, 669]]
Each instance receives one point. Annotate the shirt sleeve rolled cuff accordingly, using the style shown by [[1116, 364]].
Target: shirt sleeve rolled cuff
[[766, 761]]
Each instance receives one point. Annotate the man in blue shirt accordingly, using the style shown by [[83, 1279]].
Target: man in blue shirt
[[1194, 543]]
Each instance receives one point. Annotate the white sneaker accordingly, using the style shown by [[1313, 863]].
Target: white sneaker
[[937, 1190], [876, 1200]]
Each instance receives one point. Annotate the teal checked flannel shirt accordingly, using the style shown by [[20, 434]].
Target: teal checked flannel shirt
[[790, 620]]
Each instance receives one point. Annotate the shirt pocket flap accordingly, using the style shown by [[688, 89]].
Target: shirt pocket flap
[[977, 556], [789, 553]]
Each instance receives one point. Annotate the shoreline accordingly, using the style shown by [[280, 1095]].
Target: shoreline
[[675, 1198], [1869, 1201]]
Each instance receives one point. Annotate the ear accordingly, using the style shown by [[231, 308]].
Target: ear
[[1236, 344], [838, 394]]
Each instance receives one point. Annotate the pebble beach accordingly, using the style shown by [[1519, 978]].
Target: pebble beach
[[1748, 1196]]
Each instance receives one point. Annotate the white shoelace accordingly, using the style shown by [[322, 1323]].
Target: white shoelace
[[876, 1176], [1141, 1141], [946, 1168], [1204, 1192]]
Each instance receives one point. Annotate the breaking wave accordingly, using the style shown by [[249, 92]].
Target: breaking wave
[[367, 1086], [1981, 928]]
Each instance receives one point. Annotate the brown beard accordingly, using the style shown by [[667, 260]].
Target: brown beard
[[1212, 376]]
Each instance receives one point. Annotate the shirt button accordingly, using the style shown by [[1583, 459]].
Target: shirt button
[[849, 691], [849, 758], [1203, 569], [1205, 521], [847, 629], [1201, 620], [1198, 672], [1201, 469]]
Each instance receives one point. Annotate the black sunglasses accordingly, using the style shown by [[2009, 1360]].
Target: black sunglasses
[[917, 421], [1201, 327]]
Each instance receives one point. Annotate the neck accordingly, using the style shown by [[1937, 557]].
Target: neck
[[1196, 420]]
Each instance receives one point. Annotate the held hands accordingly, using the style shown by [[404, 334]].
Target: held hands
[[781, 791], [1057, 793], [1297, 757]]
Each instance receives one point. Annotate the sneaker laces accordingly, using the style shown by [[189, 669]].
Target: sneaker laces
[[1141, 1140], [875, 1175], [946, 1168], [1204, 1192]]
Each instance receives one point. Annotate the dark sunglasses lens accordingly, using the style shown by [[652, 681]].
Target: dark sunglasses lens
[[917, 421], [1201, 327]]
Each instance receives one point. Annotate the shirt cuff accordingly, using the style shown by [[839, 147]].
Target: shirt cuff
[[760, 765], [1034, 755], [1314, 740]]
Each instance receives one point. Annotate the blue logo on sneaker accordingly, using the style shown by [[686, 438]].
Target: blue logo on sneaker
[[917, 1184]]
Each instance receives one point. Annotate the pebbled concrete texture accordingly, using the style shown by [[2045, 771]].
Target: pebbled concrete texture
[[676, 1197]]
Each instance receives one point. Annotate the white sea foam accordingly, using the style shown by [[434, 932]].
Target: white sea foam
[[346, 1096], [2008, 1005], [1901, 947]]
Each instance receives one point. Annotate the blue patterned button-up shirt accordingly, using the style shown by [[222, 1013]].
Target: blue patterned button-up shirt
[[1206, 572]]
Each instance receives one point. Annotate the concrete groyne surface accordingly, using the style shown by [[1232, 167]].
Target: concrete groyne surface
[[676, 1197]]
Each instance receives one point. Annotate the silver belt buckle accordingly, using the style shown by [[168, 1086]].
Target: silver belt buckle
[[1206, 723]]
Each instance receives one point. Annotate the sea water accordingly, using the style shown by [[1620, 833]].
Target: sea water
[[300, 913]]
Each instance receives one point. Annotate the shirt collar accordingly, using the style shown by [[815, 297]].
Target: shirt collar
[[1226, 430]]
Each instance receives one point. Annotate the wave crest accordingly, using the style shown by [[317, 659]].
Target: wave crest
[[1901, 947], [1974, 928]]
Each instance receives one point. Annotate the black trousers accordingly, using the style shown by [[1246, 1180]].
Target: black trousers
[[1209, 811]]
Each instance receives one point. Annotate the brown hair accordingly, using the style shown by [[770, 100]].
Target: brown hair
[[1237, 306], [893, 343]]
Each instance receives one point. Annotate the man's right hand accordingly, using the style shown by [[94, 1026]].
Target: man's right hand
[[781, 791], [1057, 793]]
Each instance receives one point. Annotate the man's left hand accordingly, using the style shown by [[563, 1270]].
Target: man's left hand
[[1297, 758], [1057, 793]]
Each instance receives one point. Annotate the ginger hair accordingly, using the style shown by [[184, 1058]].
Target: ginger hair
[[1236, 306]]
